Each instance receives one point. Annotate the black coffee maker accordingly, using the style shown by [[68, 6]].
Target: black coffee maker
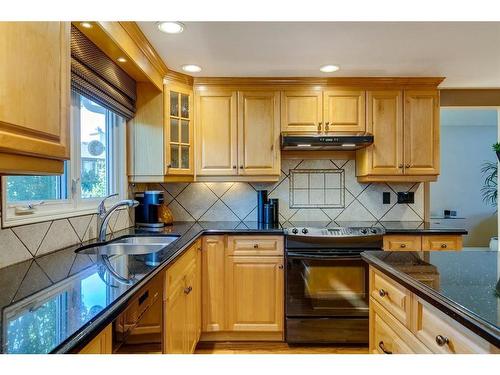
[[146, 213]]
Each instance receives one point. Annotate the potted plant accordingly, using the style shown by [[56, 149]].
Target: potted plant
[[496, 148], [489, 191]]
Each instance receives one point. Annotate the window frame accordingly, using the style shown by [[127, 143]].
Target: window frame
[[75, 205]]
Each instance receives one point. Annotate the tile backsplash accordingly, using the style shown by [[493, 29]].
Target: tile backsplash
[[33, 240], [234, 201]]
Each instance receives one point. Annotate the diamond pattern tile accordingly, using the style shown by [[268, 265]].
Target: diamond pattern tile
[[31, 235], [219, 188], [241, 198], [80, 224], [371, 198], [196, 198], [12, 249], [355, 212], [60, 235], [219, 212]]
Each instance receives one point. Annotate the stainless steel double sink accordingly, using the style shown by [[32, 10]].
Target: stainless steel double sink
[[133, 245]]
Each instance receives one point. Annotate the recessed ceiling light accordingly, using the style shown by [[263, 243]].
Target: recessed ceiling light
[[87, 25], [191, 68], [121, 59], [329, 68], [171, 27]]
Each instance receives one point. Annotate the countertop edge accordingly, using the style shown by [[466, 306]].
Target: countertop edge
[[457, 312], [85, 334]]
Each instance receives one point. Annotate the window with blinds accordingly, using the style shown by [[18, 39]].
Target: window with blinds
[[96, 76]]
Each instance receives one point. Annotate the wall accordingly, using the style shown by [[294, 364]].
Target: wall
[[466, 139], [33, 240], [227, 201]]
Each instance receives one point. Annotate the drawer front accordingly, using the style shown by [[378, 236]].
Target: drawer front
[[387, 333], [385, 339], [439, 242], [441, 334], [393, 297], [254, 245], [402, 243]]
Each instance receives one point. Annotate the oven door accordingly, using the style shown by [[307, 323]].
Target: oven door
[[326, 283]]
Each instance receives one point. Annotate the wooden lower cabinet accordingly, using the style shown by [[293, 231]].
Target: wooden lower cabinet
[[254, 295], [433, 242], [182, 305], [425, 329], [242, 295], [101, 344]]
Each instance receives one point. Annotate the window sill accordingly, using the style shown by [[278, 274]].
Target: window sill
[[10, 220]]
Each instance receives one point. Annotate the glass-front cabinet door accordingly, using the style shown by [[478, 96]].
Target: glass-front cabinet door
[[179, 130]]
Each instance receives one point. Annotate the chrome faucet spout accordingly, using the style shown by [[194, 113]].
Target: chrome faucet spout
[[105, 215]]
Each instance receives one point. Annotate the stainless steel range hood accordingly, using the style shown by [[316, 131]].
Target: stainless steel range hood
[[325, 141]]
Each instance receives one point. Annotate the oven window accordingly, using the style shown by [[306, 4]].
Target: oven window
[[327, 288]]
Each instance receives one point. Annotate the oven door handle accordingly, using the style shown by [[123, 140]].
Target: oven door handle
[[304, 256]]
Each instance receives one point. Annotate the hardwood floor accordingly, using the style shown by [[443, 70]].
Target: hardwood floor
[[274, 348]]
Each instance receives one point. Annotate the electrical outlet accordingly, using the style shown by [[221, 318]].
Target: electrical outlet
[[386, 197], [406, 197]]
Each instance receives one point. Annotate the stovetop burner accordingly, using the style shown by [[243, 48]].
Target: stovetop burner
[[336, 232]]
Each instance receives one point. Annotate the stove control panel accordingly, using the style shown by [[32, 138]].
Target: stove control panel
[[335, 232]]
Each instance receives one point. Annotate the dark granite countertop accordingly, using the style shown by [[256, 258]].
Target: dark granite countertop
[[466, 286], [58, 302]]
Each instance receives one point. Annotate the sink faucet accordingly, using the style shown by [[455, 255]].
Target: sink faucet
[[104, 215]]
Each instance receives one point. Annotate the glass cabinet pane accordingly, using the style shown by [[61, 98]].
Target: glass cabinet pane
[[184, 131], [185, 157], [174, 103], [174, 156], [184, 105], [174, 130]]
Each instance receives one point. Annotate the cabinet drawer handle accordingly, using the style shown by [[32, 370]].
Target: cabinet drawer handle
[[403, 245], [382, 347], [443, 246], [382, 293], [442, 340], [188, 290], [280, 266], [255, 245]]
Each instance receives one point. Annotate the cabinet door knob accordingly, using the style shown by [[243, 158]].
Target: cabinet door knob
[[280, 266], [327, 126], [407, 166], [255, 245], [443, 246], [382, 347], [319, 126], [188, 290], [442, 340], [401, 165], [382, 293], [403, 245], [241, 167], [234, 166]]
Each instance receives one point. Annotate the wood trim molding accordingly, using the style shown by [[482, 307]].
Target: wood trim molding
[[365, 82], [470, 97], [145, 46]]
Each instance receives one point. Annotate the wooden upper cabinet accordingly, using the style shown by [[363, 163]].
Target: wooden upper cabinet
[[216, 132], [344, 110], [34, 96], [179, 150], [384, 119], [259, 132], [301, 111], [421, 138]]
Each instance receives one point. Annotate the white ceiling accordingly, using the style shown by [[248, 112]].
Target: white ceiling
[[468, 54]]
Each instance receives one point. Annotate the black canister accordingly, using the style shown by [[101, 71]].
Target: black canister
[[261, 201], [268, 213], [276, 210]]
